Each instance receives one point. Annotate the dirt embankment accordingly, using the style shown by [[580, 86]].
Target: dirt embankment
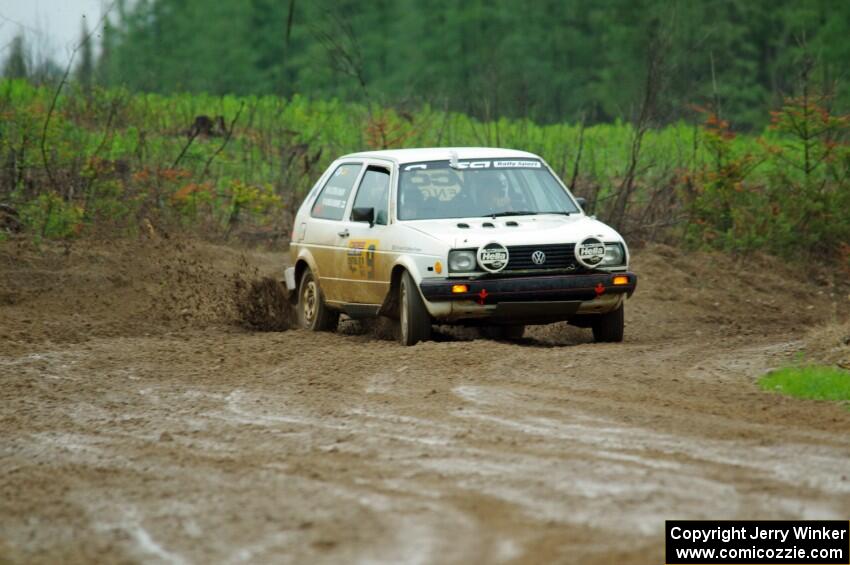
[[85, 290], [75, 292], [140, 420]]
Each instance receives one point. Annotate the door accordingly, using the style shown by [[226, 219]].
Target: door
[[326, 223], [363, 254]]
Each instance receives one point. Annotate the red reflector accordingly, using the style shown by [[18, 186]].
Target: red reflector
[[621, 279], [600, 289]]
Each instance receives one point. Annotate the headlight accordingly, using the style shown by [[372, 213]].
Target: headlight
[[461, 261], [614, 255]]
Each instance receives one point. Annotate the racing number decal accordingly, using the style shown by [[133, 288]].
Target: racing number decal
[[361, 258]]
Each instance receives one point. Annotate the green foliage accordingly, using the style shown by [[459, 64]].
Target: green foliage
[[725, 209], [258, 200], [551, 61], [809, 147], [809, 381], [788, 194], [114, 159], [52, 216]]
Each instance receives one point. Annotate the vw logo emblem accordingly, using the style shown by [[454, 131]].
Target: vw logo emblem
[[538, 257]]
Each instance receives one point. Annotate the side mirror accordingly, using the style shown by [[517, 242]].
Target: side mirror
[[363, 215], [581, 201]]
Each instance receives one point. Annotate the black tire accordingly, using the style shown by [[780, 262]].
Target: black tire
[[608, 328], [313, 313], [414, 320], [508, 332]]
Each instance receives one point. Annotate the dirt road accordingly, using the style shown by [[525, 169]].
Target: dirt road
[[138, 425]]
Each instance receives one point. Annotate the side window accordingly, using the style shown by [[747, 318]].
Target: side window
[[331, 202], [374, 192]]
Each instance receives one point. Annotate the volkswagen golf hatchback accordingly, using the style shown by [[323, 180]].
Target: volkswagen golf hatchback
[[472, 236]]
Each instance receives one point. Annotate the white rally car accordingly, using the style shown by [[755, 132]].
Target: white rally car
[[472, 236]]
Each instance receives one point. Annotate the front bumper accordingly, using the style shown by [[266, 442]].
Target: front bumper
[[530, 300], [524, 289]]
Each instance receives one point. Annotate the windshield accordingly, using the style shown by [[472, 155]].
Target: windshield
[[485, 187]]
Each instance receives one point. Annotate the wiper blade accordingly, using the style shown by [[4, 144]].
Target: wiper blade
[[516, 213]]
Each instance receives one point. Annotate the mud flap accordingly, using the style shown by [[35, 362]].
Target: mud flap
[[289, 284]]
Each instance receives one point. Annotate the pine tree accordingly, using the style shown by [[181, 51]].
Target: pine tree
[[85, 69], [550, 60], [104, 61], [17, 63]]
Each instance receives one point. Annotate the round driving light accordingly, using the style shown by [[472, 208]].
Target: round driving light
[[493, 257], [590, 252]]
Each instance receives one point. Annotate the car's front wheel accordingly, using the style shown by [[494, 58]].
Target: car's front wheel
[[609, 327], [313, 314], [414, 320]]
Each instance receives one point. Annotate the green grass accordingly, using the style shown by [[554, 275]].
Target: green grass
[[809, 381]]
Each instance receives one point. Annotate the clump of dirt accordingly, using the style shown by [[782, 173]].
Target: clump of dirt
[[191, 284], [381, 328], [262, 304]]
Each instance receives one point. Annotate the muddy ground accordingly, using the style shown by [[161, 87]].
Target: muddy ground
[[140, 422]]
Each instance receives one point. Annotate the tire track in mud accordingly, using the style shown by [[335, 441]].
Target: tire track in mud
[[398, 460], [411, 525]]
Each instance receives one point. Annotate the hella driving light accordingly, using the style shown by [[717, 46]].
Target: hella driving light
[[613, 255], [461, 261]]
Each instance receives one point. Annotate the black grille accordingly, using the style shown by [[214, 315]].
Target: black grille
[[559, 256]]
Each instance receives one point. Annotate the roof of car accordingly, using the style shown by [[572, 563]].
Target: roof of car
[[402, 156]]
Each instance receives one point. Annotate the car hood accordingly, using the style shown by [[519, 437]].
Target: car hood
[[514, 230]]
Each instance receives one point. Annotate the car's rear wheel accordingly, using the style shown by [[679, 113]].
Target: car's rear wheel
[[313, 313], [508, 332], [414, 320], [609, 327]]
